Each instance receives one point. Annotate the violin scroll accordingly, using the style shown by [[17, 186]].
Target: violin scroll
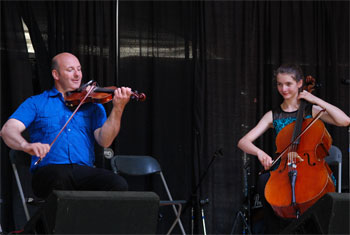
[[138, 96]]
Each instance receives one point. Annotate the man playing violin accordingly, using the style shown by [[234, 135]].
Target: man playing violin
[[68, 163], [289, 79]]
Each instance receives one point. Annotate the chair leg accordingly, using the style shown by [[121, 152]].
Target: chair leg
[[171, 199], [19, 185], [176, 220], [339, 177]]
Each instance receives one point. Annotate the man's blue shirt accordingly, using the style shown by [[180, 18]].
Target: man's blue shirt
[[45, 114]]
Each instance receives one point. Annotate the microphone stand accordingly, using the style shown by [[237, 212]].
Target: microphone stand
[[193, 196], [244, 212]]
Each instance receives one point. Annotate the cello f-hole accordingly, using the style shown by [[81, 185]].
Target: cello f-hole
[[308, 160]]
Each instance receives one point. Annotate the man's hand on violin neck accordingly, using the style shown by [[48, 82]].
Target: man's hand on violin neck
[[121, 96]]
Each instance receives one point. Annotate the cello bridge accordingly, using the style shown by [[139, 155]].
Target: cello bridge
[[293, 156]]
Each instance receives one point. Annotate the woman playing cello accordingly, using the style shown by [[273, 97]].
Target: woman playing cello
[[289, 78]]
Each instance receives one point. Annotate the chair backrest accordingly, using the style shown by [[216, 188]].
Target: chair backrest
[[335, 158], [142, 165], [335, 155], [135, 165]]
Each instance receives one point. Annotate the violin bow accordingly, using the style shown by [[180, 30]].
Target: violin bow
[[296, 138], [92, 88]]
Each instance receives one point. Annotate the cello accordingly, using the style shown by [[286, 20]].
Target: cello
[[302, 176]]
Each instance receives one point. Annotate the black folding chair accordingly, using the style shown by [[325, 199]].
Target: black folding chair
[[140, 165], [335, 159], [22, 160]]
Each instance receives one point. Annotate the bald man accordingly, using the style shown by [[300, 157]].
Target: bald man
[[68, 163]]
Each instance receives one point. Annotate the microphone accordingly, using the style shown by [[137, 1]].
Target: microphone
[[108, 153]]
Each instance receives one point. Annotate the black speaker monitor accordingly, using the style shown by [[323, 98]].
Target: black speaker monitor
[[97, 212], [329, 215]]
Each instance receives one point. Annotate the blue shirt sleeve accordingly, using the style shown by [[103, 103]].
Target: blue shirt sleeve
[[26, 112]]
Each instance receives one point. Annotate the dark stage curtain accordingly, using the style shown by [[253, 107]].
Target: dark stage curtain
[[206, 68], [155, 58], [84, 28], [15, 85], [243, 43]]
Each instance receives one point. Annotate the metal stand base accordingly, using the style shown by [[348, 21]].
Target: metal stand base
[[246, 228]]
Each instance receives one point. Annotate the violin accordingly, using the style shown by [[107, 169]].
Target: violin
[[99, 95]]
